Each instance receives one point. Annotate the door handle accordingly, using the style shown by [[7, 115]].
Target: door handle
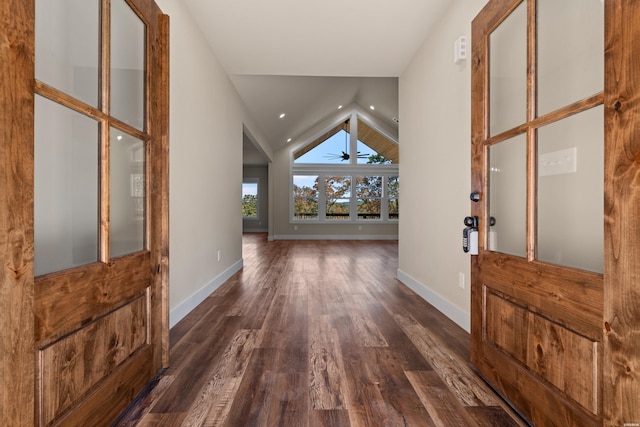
[[471, 221]]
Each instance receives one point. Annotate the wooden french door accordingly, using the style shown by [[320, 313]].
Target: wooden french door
[[555, 161], [85, 164]]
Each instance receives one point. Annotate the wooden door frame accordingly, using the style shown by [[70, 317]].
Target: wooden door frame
[[17, 326], [620, 323], [17, 349]]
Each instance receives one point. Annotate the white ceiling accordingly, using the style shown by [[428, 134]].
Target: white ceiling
[[304, 58]]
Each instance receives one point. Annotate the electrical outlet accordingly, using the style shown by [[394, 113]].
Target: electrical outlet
[[295, 228], [219, 255], [461, 280]]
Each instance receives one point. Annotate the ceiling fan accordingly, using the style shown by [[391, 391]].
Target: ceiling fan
[[345, 154]]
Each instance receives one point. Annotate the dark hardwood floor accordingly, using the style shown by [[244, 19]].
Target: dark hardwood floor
[[318, 333]]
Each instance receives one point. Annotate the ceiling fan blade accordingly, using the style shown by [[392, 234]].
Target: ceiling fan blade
[[335, 156]]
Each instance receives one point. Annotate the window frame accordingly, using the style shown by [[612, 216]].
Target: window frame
[[352, 171]]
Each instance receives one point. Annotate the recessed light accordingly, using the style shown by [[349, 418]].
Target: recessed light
[[119, 137], [282, 115], [339, 107], [288, 139], [372, 107]]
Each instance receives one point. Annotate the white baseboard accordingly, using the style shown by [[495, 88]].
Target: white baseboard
[[184, 308], [453, 312], [334, 237]]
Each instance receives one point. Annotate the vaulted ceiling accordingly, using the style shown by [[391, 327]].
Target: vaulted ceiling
[[305, 58]]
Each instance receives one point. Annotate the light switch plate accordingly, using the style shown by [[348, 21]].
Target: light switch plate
[[558, 162]]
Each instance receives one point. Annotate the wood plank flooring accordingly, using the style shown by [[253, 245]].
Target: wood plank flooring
[[318, 333]]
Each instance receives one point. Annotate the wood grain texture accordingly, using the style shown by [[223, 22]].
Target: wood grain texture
[[621, 384], [112, 396], [213, 402], [70, 367], [378, 142], [16, 213], [68, 300], [547, 349], [539, 343], [93, 362], [468, 388], [326, 369], [438, 399], [282, 343], [158, 200], [146, 400]]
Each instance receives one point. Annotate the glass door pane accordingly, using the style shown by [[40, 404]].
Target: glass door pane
[[127, 194], [127, 65], [508, 196], [570, 191], [67, 49], [508, 72], [66, 188], [570, 52]]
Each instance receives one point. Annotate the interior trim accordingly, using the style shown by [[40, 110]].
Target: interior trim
[[453, 312]]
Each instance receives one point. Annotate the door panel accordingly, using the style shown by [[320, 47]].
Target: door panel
[[72, 299], [101, 321], [73, 365], [537, 326], [546, 348]]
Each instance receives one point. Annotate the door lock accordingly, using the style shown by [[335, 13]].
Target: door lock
[[470, 235]]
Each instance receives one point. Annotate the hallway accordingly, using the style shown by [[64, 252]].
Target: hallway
[[318, 333]]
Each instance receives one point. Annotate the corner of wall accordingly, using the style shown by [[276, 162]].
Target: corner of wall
[[185, 307], [453, 312]]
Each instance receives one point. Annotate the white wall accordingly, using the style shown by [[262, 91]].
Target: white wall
[[435, 162], [205, 145]]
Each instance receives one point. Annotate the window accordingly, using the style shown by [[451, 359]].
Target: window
[[305, 197], [348, 174], [250, 198], [337, 190], [393, 193], [369, 196]]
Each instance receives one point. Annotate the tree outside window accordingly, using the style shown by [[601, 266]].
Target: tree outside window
[[369, 197], [338, 195], [250, 200], [393, 195], [305, 197]]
